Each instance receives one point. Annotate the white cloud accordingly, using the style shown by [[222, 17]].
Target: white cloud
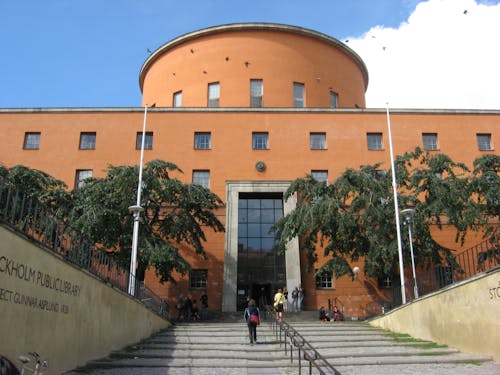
[[439, 58]]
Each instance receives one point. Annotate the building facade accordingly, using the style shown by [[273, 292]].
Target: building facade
[[244, 109]]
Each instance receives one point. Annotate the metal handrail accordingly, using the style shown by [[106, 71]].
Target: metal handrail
[[25, 214], [288, 335], [482, 257]]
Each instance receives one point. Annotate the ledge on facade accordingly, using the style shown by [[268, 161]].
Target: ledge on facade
[[249, 110]]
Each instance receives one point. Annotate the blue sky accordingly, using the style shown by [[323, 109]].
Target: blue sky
[[88, 53]]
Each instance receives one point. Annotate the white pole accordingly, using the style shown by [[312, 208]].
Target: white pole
[[136, 210], [415, 286], [396, 210]]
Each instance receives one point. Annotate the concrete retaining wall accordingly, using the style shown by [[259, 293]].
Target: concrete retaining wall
[[63, 313], [465, 316]]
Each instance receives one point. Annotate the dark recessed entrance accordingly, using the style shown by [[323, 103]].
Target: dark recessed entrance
[[261, 271]]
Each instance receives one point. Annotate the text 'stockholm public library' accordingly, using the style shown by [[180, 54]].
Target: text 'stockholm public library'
[[244, 109]]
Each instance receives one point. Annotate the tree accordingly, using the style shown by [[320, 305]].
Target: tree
[[486, 187], [175, 218], [36, 184], [353, 218]]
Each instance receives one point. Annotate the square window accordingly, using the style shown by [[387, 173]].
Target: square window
[[81, 175], [334, 99], [87, 141], [198, 279], [148, 141], [429, 141], [324, 280], [177, 100], [298, 95], [202, 141], [213, 94], [260, 141], [31, 141], [201, 178], [374, 141], [320, 176], [256, 93], [484, 142], [317, 141]]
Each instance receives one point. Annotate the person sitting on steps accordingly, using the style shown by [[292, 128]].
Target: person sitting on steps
[[323, 315], [337, 315]]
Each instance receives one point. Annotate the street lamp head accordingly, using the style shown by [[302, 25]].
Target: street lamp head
[[135, 209], [407, 211]]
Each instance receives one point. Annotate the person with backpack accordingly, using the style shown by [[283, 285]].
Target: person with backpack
[[252, 317]]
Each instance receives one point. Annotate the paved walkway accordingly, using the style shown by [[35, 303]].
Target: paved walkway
[[223, 348]]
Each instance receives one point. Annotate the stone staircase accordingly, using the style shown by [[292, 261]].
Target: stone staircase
[[221, 346]]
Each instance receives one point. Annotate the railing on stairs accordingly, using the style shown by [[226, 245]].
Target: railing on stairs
[[25, 214], [483, 257], [293, 340]]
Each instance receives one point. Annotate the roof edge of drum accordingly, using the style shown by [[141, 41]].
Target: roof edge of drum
[[251, 26]]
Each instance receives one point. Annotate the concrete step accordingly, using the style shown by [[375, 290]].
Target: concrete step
[[223, 347]]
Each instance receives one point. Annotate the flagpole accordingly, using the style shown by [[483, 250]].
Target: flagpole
[[396, 210], [136, 211]]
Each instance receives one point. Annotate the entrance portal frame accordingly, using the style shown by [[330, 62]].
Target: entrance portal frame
[[292, 255]]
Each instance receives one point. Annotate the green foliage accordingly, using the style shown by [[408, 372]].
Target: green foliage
[[36, 184], [175, 217], [353, 218], [174, 221], [486, 184]]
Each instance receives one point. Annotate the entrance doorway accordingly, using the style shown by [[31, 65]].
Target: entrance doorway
[[261, 270]]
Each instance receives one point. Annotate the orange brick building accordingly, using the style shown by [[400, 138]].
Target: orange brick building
[[245, 109]]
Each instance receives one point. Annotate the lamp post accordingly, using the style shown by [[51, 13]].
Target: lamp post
[[396, 210], [136, 211], [355, 270], [408, 214]]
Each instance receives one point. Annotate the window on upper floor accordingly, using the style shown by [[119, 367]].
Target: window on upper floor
[[87, 140], [484, 142], [320, 175], [213, 94], [317, 141], [429, 141], [148, 141], [177, 99], [198, 279], [80, 177], [31, 141], [260, 141], [201, 177], [298, 95], [374, 141], [202, 141], [324, 280], [334, 100], [256, 93]]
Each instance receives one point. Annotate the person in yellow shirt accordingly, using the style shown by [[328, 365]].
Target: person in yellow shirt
[[279, 302]]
